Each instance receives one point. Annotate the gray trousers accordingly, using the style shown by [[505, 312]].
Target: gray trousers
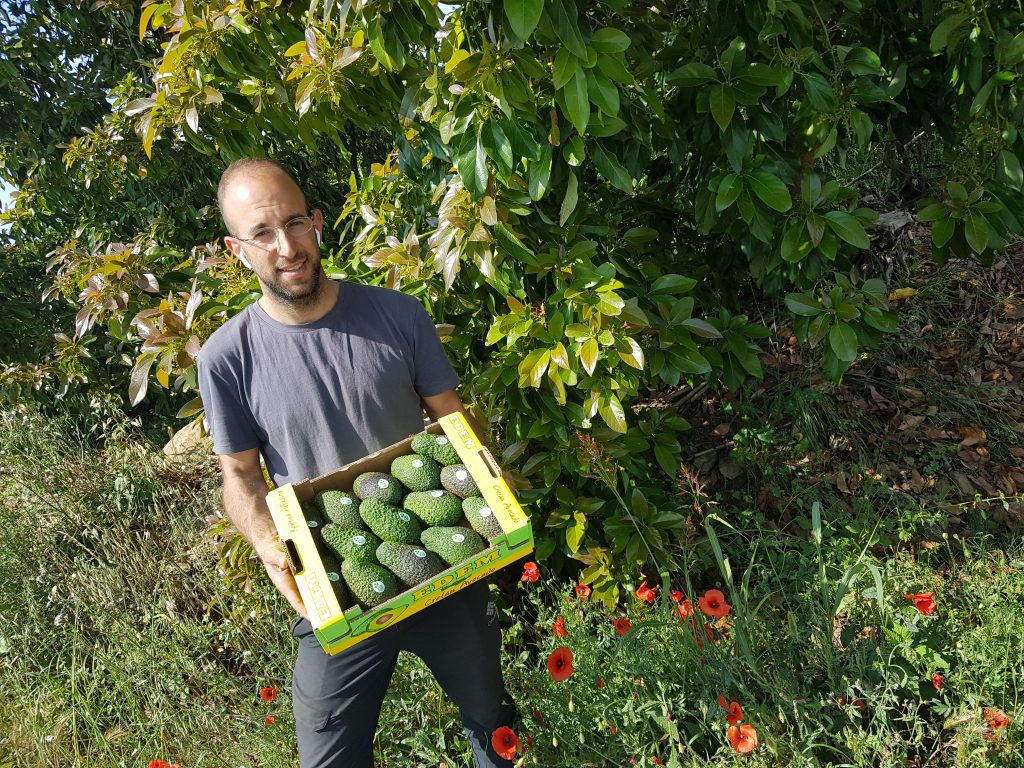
[[337, 699]]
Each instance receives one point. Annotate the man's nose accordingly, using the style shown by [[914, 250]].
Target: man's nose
[[286, 244]]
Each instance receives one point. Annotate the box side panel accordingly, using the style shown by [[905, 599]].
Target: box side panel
[[415, 600], [310, 575], [487, 475]]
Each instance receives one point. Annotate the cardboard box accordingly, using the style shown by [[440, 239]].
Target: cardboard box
[[337, 629]]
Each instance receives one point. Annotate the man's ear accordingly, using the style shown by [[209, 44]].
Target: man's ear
[[235, 246], [318, 225]]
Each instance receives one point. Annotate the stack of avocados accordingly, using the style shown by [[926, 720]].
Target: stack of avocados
[[397, 530]]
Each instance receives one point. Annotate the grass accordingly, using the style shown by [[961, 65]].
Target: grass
[[128, 643]]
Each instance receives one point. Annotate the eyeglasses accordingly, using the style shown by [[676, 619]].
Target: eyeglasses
[[267, 238]]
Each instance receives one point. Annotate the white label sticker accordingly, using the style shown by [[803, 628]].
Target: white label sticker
[[419, 553], [332, 576], [346, 500], [359, 540], [417, 463], [382, 483], [485, 511], [442, 441], [437, 494], [378, 586], [458, 538], [313, 523], [404, 517], [462, 474]]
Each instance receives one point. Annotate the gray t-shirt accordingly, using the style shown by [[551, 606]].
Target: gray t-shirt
[[316, 396]]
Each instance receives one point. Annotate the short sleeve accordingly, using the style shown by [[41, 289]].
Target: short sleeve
[[227, 415], [433, 372]]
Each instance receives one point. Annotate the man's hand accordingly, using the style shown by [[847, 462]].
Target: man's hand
[[272, 553]]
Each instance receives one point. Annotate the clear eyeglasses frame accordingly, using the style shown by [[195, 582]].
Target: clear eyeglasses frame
[[267, 237]]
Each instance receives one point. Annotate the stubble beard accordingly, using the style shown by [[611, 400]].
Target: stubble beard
[[302, 297]]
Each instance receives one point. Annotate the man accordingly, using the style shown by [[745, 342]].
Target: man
[[316, 374]]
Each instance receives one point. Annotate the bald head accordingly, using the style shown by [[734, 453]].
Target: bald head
[[247, 172]]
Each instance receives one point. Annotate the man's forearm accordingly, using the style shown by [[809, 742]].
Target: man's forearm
[[245, 504]]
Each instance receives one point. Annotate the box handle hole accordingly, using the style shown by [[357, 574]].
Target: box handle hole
[[292, 553]]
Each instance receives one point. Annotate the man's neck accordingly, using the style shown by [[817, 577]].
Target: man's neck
[[295, 313]]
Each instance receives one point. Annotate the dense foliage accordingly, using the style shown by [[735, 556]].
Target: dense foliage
[[588, 196]]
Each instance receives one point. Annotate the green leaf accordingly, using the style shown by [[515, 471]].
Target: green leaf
[[803, 304], [612, 412], [728, 190], [1009, 167], [746, 356], [702, 328], [692, 74], [588, 355], [577, 103], [846, 227], [795, 243], [569, 201], [565, 67], [567, 26], [498, 147], [941, 34], [609, 167], [976, 232], [772, 191], [471, 162], [540, 172], [723, 104], [843, 341], [523, 16], [574, 151], [603, 93], [574, 531], [610, 40], [942, 232], [933, 212], [512, 245], [673, 284]]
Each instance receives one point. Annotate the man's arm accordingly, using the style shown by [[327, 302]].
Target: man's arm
[[245, 503]]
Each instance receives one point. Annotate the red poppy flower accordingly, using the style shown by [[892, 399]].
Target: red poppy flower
[[269, 720], [560, 664], [645, 593], [657, 761], [158, 763], [860, 704], [505, 742], [600, 682], [559, 627], [996, 718], [583, 591], [268, 694], [742, 737], [924, 602], [622, 626], [713, 604], [685, 609], [938, 680], [677, 596], [733, 713], [530, 572]]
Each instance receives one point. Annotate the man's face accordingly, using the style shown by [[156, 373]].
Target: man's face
[[289, 270]]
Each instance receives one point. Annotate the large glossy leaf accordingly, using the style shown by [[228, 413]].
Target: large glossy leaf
[[523, 16], [848, 228], [577, 104], [772, 191], [471, 162]]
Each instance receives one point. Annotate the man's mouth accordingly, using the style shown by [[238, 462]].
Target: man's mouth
[[293, 269]]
